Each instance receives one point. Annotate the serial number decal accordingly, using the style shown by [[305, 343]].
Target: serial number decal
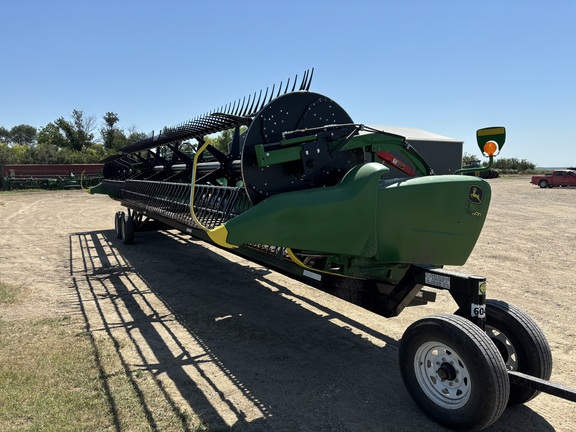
[[477, 214], [312, 275], [478, 310], [437, 280]]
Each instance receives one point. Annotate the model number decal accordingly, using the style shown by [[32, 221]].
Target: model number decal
[[437, 280], [477, 310]]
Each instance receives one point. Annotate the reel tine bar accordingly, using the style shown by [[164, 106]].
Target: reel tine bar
[[227, 117]]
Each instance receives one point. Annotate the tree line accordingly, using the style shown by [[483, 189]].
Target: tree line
[[504, 165], [79, 139]]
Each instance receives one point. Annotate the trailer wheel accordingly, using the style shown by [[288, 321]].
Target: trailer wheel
[[127, 230], [521, 343], [118, 223], [454, 372]]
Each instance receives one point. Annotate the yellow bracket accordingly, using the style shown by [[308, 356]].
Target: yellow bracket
[[193, 186], [219, 235]]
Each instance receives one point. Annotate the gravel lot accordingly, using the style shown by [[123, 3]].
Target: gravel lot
[[244, 347]]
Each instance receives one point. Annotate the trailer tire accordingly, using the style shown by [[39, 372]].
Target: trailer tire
[[454, 372], [521, 343], [118, 217], [127, 230], [543, 183]]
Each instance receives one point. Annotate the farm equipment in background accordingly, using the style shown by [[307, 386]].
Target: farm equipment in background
[[50, 176], [306, 191], [475, 168]]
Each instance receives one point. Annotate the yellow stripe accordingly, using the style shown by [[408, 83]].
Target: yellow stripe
[[491, 131]]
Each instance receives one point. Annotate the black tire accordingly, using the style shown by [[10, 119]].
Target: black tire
[[521, 343], [454, 372], [118, 224], [127, 230], [543, 183]]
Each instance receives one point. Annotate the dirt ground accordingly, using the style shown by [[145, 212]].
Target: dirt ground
[[243, 347]]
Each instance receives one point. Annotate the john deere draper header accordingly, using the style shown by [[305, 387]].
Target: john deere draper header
[[301, 190]]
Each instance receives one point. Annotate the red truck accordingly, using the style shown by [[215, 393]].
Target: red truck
[[564, 177]]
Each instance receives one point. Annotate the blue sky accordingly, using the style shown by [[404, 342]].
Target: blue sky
[[449, 67]]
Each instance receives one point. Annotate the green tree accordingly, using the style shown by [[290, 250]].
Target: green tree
[[514, 165], [50, 135], [47, 154], [222, 140], [6, 156], [4, 135], [78, 131], [21, 154], [134, 136], [23, 135], [467, 158], [109, 132]]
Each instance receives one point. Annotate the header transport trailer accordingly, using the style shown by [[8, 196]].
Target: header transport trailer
[[50, 176], [357, 212]]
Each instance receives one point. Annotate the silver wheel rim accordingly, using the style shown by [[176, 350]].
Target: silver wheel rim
[[442, 375]]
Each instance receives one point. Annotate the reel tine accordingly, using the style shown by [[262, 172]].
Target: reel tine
[[209, 123], [304, 80], [240, 110], [310, 79], [237, 107], [247, 105], [257, 103], [303, 83], [263, 101]]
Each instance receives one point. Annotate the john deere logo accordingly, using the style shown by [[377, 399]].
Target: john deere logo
[[475, 194]]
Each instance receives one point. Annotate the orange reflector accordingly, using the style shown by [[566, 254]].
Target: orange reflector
[[490, 148]]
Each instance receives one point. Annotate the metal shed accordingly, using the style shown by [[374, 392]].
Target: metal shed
[[444, 154]]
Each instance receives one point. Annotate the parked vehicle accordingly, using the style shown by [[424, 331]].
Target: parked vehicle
[[566, 177]]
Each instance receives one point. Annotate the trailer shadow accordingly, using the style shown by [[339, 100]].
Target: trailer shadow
[[231, 344]]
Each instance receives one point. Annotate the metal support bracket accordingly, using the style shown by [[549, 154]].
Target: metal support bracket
[[469, 292]]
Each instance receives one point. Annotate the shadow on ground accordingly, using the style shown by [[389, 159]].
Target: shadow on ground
[[227, 342]]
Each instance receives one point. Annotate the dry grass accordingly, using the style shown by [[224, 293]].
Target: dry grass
[[56, 376]]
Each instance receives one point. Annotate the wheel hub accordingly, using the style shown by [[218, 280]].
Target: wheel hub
[[447, 372], [442, 375]]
